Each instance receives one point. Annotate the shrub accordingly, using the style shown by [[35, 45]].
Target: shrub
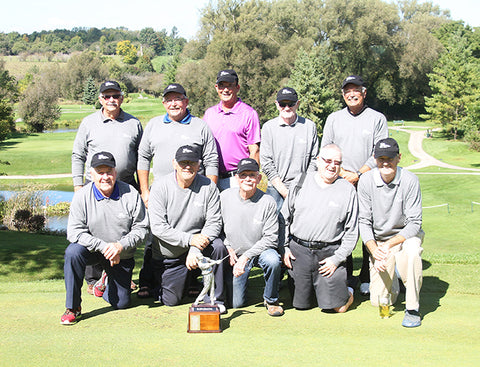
[[24, 211]]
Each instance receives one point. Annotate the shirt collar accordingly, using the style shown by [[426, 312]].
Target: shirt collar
[[234, 109], [379, 181], [99, 196], [186, 120], [363, 109], [120, 116], [283, 123]]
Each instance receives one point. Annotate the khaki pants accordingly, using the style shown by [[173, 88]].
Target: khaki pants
[[406, 257]]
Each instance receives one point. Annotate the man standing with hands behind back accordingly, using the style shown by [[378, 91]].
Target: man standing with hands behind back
[[235, 126], [355, 129]]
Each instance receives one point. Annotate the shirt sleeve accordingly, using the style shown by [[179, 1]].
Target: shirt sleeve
[[139, 228], [381, 132], [77, 229], [79, 155], [145, 152], [269, 234], [159, 224], [312, 166], [266, 154], [253, 128], [365, 216], [350, 236], [412, 209], [210, 154], [213, 223], [328, 134]]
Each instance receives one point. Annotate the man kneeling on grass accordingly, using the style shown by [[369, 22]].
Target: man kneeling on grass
[[390, 223], [321, 214], [107, 221]]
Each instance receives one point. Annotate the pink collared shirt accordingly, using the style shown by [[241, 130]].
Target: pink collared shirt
[[233, 131]]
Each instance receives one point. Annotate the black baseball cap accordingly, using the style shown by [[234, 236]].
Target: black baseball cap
[[353, 79], [247, 164], [287, 94], [386, 148], [187, 153], [228, 75], [174, 87], [103, 159], [110, 84]]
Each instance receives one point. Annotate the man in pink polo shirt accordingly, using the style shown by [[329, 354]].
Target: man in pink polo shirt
[[235, 127]]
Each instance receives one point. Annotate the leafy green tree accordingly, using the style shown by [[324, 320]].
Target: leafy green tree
[[144, 64], [128, 51], [90, 92], [8, 96], [79, 68], [148, 37], [455, 85], [171, 70], [310, 79], [38, 105]]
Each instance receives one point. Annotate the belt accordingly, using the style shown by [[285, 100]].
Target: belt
[[313, 245], [227, 174]]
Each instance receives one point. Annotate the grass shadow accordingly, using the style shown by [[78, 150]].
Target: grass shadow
[[433, 290], [225, 321]]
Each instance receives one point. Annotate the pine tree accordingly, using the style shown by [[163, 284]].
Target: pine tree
[[455, 85], [310, 81], [90, 92]]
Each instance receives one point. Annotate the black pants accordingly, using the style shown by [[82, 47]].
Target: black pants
[[364, 271]]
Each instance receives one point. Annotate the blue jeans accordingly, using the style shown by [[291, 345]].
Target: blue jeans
[[269, 261]]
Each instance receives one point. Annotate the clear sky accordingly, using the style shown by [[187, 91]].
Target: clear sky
[[28, 16]]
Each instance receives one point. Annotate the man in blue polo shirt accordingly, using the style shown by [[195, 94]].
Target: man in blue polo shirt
[[106, 223]]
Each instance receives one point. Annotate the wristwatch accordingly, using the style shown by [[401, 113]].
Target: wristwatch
[[359, 174]]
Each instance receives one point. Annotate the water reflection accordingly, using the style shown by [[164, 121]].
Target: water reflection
[[50, 197]]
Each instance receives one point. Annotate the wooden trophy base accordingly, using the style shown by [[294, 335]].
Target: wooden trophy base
[[204, 318]]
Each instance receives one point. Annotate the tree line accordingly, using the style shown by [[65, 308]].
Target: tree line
[[104, 41], [415, 59]]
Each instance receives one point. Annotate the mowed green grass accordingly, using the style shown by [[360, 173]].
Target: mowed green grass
[[143, 108], [35, 154], [452, 152], [32, 300]]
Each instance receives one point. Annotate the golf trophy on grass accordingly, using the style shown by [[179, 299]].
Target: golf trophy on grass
[[205, 318]]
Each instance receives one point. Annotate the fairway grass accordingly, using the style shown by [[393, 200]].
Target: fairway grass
[[149, 334]]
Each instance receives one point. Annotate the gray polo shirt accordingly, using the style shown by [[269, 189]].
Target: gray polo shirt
[[288, 150], [389, 209], [325, 214], [250, 226], [177, 214], [96, 133], [161, 140], [93, 223], [355, 135]]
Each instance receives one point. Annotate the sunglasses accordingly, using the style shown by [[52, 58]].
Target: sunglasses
[[243, 176], [330, 161], [114, 96], [283, 104]]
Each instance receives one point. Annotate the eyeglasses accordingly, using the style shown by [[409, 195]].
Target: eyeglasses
[[353, 90], [283, 104], [114, 96], [243, 176], [330, 161], [174, 99]]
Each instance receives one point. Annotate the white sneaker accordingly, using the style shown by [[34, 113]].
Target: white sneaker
[[365, 289], [222, 308]]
